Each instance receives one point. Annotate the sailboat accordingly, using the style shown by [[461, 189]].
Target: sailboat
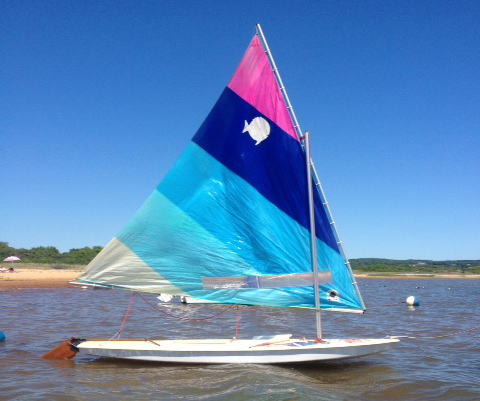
[[241, 218]]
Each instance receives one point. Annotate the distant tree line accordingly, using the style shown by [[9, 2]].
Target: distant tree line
[[415, 265], [50, 254], [83, 256]]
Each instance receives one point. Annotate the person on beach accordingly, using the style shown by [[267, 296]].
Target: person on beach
[[11, 270], [2, 269]]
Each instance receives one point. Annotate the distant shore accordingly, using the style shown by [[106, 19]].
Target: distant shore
[[51, 278], [37, 278], [415, 275]]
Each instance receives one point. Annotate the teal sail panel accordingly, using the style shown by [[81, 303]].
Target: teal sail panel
[[234, 205]]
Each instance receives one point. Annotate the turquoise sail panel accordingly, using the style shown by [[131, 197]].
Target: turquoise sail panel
[[207, 222]]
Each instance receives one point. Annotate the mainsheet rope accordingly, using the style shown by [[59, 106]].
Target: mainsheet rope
[[238, 320], [185, 318], [126, 316], [119, 332]]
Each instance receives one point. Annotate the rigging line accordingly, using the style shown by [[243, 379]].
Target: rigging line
[[445, 335], [119, 332], [185, 318], [237, 322]]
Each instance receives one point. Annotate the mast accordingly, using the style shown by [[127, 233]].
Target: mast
[[313, 235], [313, 238], [318, 184]]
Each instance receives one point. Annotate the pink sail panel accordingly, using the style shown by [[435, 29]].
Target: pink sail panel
[[254, 81]]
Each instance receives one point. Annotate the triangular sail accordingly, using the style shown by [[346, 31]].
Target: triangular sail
[[233, 211]]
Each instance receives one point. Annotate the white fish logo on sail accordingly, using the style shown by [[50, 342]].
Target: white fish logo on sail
[[259, 129]]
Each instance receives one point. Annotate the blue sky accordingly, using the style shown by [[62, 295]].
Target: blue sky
[[100, 97]]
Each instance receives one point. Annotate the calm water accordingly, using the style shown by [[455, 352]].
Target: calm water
[[448, 368]]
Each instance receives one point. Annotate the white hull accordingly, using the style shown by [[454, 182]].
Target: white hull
[[234, 351]]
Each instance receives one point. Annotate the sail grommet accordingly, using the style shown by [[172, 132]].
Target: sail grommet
[[333, 296]]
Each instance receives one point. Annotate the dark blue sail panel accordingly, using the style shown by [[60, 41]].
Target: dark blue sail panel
[[275, 166]]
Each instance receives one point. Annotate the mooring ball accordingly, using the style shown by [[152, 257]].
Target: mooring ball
[[412, 301], [2, 336]]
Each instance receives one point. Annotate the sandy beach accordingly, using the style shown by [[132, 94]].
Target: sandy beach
[[33, 278], [37, 278]]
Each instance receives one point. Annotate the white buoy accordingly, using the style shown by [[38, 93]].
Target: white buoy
[[412, 301]]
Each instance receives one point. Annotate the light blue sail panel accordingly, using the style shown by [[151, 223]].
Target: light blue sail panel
[[204, 221]]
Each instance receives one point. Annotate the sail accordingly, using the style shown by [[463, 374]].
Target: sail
[[229, 222]]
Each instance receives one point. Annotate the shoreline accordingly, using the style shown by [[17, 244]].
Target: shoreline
[[416, 276], [37, 278], [50, 278]]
